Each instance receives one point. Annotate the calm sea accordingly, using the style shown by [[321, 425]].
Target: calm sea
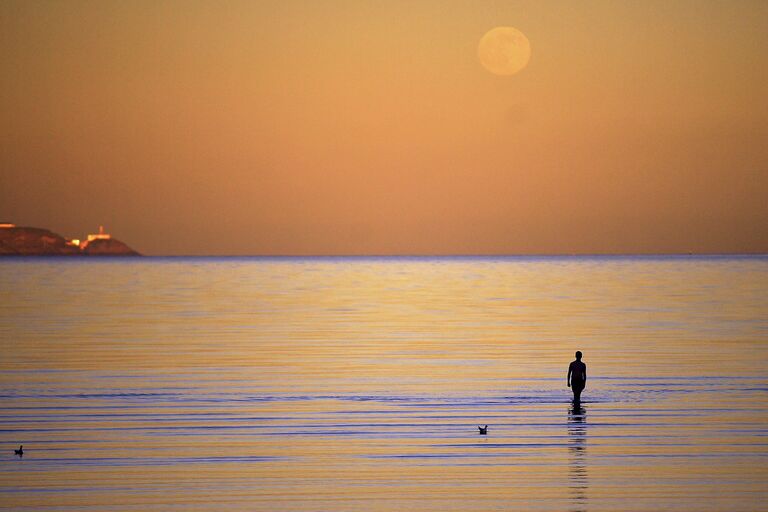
[[358, 383]]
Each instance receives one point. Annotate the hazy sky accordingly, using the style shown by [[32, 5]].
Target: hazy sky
[[354, 127]]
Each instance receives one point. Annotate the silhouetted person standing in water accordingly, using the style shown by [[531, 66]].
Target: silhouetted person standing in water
[[577, 377]]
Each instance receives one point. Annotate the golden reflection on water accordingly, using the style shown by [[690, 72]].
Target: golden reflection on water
[[351, 384]]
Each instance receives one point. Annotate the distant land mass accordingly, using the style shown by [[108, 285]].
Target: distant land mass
[[27, 241]]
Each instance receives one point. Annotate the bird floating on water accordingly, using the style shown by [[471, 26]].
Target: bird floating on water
[[20, 451], [483, 430]]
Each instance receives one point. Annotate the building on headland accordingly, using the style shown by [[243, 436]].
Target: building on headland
[[31, 241], [100, 236]]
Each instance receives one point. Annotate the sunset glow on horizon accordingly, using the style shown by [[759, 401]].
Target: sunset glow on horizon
[[334, 127]]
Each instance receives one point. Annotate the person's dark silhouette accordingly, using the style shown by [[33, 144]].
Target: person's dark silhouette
[[577, 377]]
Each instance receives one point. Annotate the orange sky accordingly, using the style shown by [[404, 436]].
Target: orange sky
[[325, 127]]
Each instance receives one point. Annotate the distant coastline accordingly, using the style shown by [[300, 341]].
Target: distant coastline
[[30, 241]]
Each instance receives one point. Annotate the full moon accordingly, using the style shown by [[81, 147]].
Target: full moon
[[504, 51]]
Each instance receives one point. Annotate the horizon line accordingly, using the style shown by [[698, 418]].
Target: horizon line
[[456, 255]]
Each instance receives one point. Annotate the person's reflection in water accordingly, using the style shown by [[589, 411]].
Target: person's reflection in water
[[577, 449]]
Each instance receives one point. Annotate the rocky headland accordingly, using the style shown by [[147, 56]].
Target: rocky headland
[[26, 241]]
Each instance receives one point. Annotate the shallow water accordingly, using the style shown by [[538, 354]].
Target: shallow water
[[358, 383]]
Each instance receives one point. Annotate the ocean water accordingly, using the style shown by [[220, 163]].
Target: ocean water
[[359, 383]]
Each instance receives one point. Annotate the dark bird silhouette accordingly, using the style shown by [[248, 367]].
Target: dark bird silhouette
[[20, 451], [483, 430]]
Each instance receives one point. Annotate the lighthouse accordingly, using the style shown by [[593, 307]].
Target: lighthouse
[[101, 235]]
